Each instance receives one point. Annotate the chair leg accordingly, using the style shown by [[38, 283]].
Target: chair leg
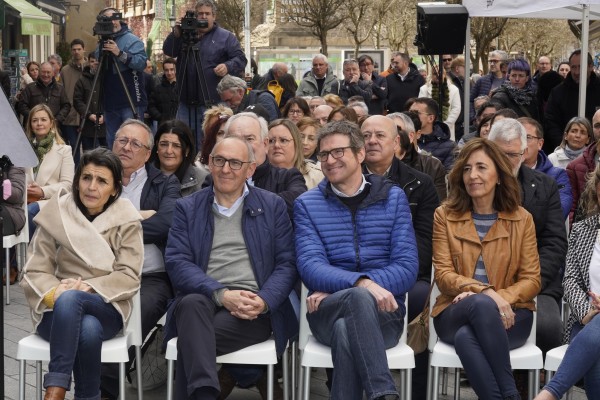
[[38, 378], [408, 393], [286, 370], [294, 370], [22, 366], [306, 383], [7, 275], [445, 381], [138, 369], [456, 383], [170, 370], [435, 386], [270, 379], [122, 380]]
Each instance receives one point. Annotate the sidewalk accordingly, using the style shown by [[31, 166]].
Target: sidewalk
[[17, 324]]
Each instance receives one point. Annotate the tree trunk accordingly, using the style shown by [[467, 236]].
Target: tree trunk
[[323, 40]]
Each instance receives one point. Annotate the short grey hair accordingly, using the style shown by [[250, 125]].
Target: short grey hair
[[321, 57], [207, 3], [409, 126], [131, 121], [508, 129], [501, 54], [264, 127], [56, 57], [251, 156], [348, 62], [229, 82], [361, 105]]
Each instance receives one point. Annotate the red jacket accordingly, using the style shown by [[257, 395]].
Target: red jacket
[[578, 170]]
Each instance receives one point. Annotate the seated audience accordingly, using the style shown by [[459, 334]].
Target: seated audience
[[289, 85], [295, 109], [212, 126], [308, 128], [83, 270], [486, 268], [578, 134], [314, 102], [578, 171], [321, 113], [11, 204], [333, 100], [343, 113]]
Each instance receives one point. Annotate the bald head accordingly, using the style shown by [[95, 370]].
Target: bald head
[[321, 113], [381, 142], [279, 69]]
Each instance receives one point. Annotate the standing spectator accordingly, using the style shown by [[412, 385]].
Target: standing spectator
[[354, 220], [447, 62], [544, 65], [517, 93], [162, 105], [564, 68], [319, 80], [403, 84], [274, 73], [232, 91], [130, 57], [578, 134], [69, 76], [94, 129], [56, 61], [220, 54], [451, 105], [45, 90], [491, 81], [379, 85], [457, 75], [352, 85], [289, 85], [435, 135], [564, 100], [29, 74]]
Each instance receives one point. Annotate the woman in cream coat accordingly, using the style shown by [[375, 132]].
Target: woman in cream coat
[[56, 168], [83, 269]]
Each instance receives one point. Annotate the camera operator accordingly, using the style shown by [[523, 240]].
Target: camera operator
[[218, 54], [130, 56]]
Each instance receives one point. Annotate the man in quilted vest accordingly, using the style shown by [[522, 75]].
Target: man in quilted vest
[[356, 254]]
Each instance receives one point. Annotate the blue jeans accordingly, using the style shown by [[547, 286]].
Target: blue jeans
[[474, 326], [114, 118], [75, 328], [347, 321], [193, 116], [582, 360], [32, 210]]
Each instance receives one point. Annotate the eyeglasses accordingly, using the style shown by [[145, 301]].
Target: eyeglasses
[[282, 141], [494, 61], [164, 144], [233, 164], [531, 138], [514, 156], [420, 112], [447, 60], [135, 144], [335, 153], [295, 111]]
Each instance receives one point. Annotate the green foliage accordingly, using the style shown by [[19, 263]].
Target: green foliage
[[63, 49]]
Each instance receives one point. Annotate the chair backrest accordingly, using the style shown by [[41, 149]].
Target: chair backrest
[[134, 325], [305, 330]]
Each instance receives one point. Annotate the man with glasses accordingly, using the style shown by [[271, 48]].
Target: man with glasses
[[536, 159], [495, 78], [319, 80], [233, 284], [154, 195], [403, 84], [356, 254], [378, 86], [540, 197], [233, 93], [447, 61]]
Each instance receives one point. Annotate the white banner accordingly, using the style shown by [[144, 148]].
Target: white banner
[[555, 9]]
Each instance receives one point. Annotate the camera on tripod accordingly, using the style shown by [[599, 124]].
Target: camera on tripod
[[104, 26], [190, 22]]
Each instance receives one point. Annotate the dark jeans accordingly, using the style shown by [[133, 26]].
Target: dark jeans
[[205, 331], [347, 321], [32, 209], [76, 327], [90, 143], [70, 134], [417, 296], [549, 326], [474, 326], [155, 292]]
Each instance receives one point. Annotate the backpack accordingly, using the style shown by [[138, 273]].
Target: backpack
[[277, 90]]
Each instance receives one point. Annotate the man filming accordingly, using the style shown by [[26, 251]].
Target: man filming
[[130, 57], [204, 56]]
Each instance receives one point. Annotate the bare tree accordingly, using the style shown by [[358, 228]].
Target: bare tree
[[380, 8], [231, 15], [359, 23], [484, 31], [400, 26], [319, 16]]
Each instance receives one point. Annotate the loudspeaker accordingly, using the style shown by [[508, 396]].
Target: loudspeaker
[[441, 28]]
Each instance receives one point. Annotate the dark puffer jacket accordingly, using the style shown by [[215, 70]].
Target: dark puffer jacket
[[439, 144], [53, 95], [81, 95], [163, 102]]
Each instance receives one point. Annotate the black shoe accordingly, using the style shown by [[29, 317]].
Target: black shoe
[[262, 388], [226, 382], [522, 383]]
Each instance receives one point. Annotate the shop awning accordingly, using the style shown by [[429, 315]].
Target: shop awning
[[53, 6], [33, 20]]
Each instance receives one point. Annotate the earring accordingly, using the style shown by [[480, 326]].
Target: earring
[[498, 183]]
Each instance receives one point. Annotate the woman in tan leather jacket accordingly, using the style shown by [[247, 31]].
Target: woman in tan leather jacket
[[486, 266]]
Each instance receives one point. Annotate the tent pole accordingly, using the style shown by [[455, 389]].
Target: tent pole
[[583, 76], [467, 85]]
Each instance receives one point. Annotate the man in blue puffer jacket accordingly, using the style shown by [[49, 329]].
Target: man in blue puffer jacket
[[356, 254]]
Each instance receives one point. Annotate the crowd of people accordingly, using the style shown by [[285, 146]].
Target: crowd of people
[[216, 202]]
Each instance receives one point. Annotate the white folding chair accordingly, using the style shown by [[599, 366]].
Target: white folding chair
[[316, 355], [259, 354], [443, 355], [553, 359], [115, 350], [20, 240]]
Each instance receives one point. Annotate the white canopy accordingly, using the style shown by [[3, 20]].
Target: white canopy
[[549, 9]]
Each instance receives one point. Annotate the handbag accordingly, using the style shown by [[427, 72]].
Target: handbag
[[417, 331]]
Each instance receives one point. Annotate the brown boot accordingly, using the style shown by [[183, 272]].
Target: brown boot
[[55, 393]]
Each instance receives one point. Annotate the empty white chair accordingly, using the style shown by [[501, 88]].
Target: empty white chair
[[115, 350], [259, 354], [528, 357], [317, 355]]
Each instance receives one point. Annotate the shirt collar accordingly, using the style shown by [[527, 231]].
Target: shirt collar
[[359, 191], [234, 207]]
